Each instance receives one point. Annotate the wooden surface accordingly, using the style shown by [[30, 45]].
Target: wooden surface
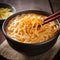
[[29, 4], [2, 38], [55, 5]]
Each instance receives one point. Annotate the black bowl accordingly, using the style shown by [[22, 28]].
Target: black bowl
[[6, 5], [30, 49]]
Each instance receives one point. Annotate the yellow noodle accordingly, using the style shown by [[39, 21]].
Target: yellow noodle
[[27, 28], [5, 13]]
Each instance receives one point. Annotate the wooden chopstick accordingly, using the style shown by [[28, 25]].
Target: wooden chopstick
[[52, 17]]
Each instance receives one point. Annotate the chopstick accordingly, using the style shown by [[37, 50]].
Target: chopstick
[[52, 17]]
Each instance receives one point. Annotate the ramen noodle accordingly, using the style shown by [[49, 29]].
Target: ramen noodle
[[28, 28]]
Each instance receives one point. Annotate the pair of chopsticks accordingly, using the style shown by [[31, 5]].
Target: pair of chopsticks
[[52, 17]]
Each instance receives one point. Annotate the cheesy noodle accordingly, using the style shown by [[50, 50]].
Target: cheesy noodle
[[28, 28]]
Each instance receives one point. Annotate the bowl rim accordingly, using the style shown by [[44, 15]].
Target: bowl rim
[[22, 12], [12, 7]]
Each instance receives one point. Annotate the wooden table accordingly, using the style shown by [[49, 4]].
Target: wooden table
[[50, 6]]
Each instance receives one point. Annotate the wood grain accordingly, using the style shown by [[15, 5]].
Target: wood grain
[[29, 4]]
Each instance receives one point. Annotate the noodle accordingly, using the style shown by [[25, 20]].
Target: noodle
[[27, 28], [5, 13]]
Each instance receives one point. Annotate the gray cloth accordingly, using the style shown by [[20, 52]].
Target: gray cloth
[[11, 54]]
